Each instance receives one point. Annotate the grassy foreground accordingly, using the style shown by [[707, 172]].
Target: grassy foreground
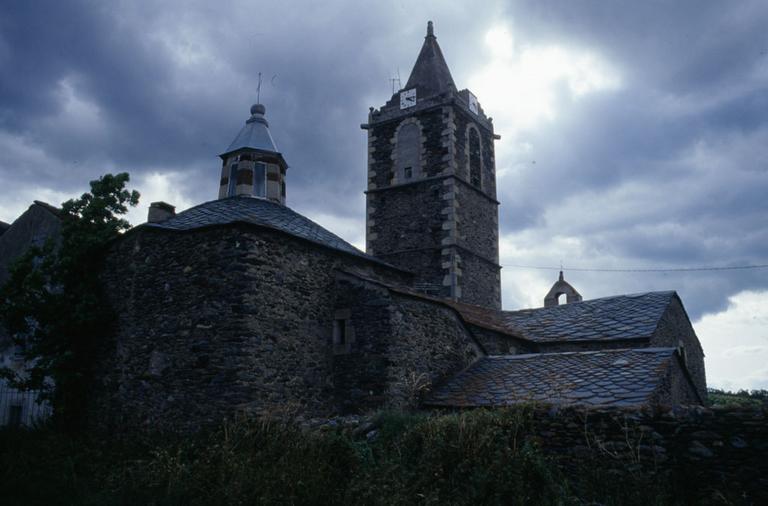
[[480, 457]]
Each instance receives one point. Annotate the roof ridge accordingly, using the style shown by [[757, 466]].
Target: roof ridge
[[583, 352], [587, 301], [263, 213]]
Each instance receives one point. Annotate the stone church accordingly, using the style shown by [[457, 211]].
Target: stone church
[[241, 304]]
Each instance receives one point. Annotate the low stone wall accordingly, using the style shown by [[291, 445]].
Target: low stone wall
[[717, 451]]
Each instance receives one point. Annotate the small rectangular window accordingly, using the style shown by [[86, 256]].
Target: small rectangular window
[[259, 179], [340, 332], [408, 172]]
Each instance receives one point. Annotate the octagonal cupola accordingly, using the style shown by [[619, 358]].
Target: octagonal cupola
[[252, 166]]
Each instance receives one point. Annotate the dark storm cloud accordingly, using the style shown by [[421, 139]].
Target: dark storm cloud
[[667, 170], [173, 82]]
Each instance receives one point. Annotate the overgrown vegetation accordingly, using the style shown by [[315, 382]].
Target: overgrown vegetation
[[53, 305], [744, 398], [479, 457]]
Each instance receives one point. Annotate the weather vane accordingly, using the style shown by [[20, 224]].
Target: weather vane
[[394, 80]]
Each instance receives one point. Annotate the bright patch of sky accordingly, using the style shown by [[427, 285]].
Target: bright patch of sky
[[735, 342], [157, 187], [521, 85]]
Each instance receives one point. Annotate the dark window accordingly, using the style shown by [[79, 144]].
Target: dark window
[[259, 179], [339, 331], [408, 150], [232, 189], [474, 158]]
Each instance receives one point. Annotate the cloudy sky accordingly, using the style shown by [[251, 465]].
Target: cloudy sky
[[634, 134]]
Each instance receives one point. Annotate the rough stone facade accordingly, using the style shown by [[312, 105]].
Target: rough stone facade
[[239, 318], [402, 345], [435, 219], [675, 330], [718, 450]]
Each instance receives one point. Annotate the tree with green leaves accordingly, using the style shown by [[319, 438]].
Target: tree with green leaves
[[53, 306]]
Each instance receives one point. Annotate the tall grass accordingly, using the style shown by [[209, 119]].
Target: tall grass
[[480, 457]]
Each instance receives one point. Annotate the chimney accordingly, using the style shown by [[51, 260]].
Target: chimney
[[160, 211]]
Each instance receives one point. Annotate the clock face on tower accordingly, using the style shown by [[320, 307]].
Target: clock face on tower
[[407, 98]]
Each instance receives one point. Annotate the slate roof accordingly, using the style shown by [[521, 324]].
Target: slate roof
[[254, 134], [260, 212], [430, 74], [609, 318], [593, 378]]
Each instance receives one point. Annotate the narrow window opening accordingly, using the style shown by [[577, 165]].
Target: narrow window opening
[[408, 151], [232, 188], [259, 179], [475, 178], [340, 331]]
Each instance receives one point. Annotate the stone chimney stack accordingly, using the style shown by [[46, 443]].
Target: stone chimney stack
[[160, 211]]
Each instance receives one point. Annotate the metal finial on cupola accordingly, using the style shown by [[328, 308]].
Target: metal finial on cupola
[[430, 29], [257, 114]]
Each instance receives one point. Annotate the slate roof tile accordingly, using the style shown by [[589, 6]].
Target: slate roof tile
[[608, 318], [622, 378], [260, 212]]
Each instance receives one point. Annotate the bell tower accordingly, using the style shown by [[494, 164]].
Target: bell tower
[[431, 197]]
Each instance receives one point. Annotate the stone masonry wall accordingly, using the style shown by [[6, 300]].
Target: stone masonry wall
[[674, 328], [437, 209], [479, 280], [218, 321], [402, 345], [359, 373], [407, 217], [496, 343], [675, 388], [430, 344], [714, 452], [477, 223]]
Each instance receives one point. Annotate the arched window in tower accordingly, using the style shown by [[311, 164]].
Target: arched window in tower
[[475, 177], [408, 153]]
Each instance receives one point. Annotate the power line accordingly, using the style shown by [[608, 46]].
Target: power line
[[676, 269]]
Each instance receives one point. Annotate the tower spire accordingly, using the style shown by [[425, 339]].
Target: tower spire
[[430, 74]]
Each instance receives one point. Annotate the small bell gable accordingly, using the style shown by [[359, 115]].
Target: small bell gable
[[561, 287]]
